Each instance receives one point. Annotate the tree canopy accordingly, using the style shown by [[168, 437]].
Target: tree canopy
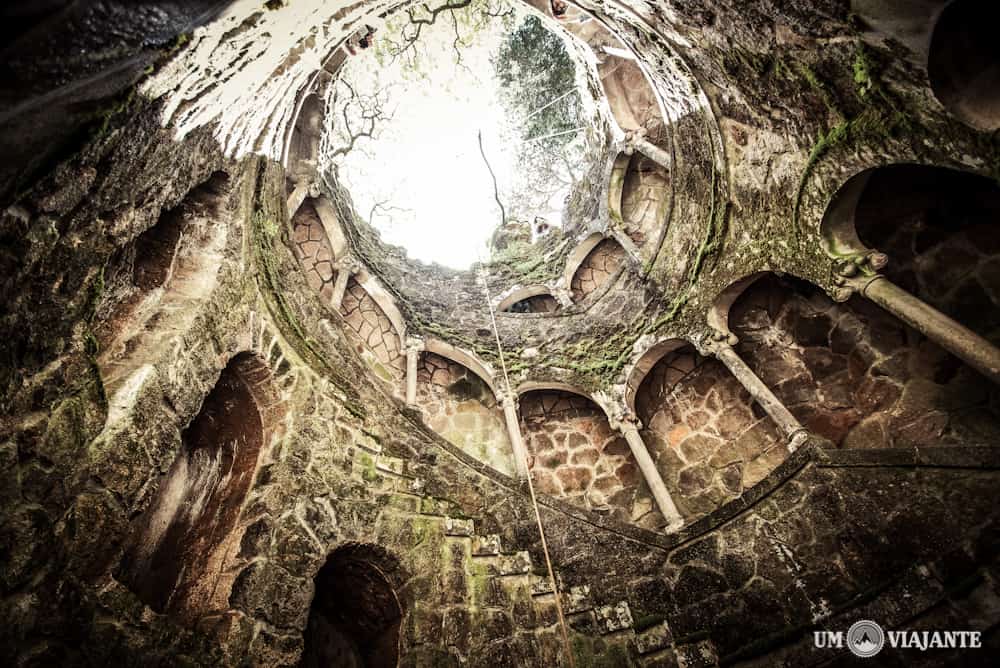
[[538, 81]]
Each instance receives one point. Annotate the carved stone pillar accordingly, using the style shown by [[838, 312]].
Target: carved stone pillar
[[414, 347], [634, 141], [858, 275], [509, 404], [629, 427], [720, 346], [563, 296], [345, 269]]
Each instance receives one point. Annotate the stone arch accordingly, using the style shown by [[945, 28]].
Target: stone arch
[[964, 62], [718, 312], [372, 316], [356, 613], [938, 228], [646, 199], [553, 386], [529, 299], [604, 257], [160, 277], [457, 397], [852, 373], [644, 363], [709, 439], [176, 556], [313, 249], [633, 102], [463, 357], [575, 454], [616, 186]]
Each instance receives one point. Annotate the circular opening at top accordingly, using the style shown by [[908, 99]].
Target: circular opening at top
[[445, 124], [964, 62]]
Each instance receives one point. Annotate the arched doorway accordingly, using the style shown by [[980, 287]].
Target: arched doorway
[[355, 615]]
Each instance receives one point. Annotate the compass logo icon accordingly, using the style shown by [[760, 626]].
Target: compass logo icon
[[865, 638]]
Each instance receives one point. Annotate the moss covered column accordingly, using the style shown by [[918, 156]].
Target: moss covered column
[[414, 347], [720, 346], [346, 268], [629, 427], [954, 337], [634, 141], [509, 403]]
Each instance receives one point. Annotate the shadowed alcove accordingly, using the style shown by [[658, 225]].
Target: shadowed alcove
[[355, 615], [176, 556], [964, 62], [939, 228]]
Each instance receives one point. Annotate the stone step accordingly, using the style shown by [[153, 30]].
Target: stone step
[[486, 546]]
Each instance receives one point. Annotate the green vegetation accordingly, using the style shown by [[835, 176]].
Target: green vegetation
[[264, 233], [881, 117]]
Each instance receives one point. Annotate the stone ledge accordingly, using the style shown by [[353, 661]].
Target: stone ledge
[[975, 457]]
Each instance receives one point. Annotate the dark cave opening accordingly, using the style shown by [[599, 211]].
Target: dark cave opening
[[355, 615], [964, 62]]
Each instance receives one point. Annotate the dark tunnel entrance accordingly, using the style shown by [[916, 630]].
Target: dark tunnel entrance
[[355, 615]]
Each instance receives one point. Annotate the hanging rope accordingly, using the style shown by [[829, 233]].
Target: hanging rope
[[531, 487]]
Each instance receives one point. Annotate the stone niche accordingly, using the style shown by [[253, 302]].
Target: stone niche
[[939, 228], [577, 456], [597, 269], [709, 440], [176, 555], [355, 615], [963, 66], [460, 406], [152, 282], [854, 374]]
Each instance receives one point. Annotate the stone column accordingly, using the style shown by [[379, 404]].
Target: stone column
[[414, 347], [721, 347], [634, 141], [509, 404], [304, 188], [563, 296], [957, 339], [629, 427], [345, 269]]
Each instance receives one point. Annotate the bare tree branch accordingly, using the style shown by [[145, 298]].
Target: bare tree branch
[[368, 110], [496, 190]]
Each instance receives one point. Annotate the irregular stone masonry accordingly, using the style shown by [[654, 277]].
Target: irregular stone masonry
[[375, 333], [313, 250], [578, 457], [505, 588], [459, 406], [708, 438], [597, 268], [378, 341], [903, 535], [644, 194], [855, 375]]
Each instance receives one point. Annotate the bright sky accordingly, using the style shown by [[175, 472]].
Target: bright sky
[[427, 160]]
